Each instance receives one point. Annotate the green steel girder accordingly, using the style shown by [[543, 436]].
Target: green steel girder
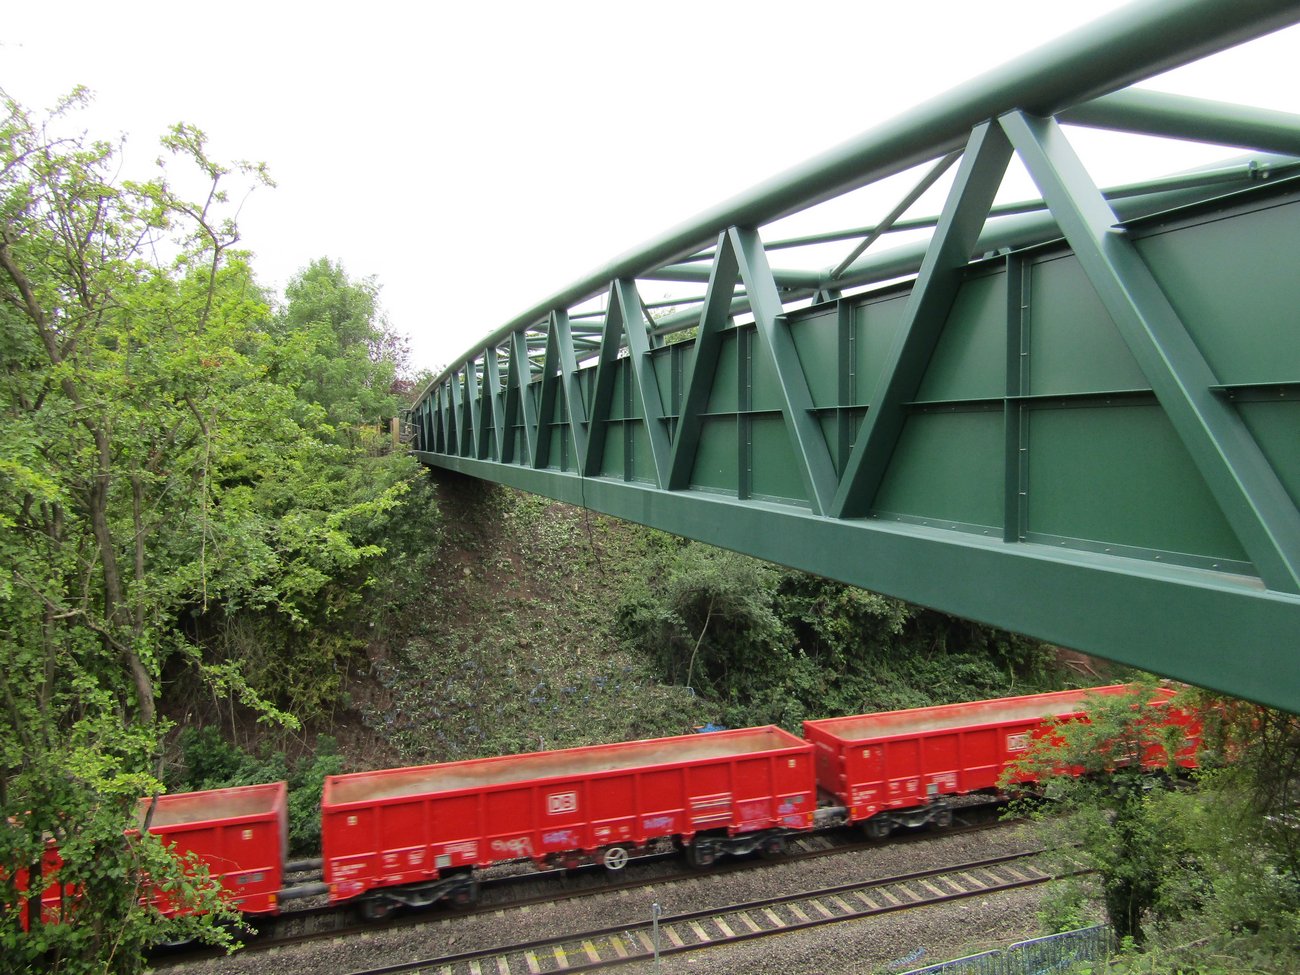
[[471, 396], [1212, 429], [576, 410], [1203, 620], [493, 391], [1192, 119], [1134, 43], [520, 408], [1018, 226], [1072, 418], [635, 325]]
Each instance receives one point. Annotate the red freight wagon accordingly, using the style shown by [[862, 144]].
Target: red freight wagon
[[52, 897], [892, 768], [240, 833], [417, 833]]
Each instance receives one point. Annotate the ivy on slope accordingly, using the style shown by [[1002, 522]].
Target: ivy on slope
[[511, 647], [546, 627]]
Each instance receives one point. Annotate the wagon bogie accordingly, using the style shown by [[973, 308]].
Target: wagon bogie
[[460, 890], [706, 848], [883, 824], [878, 827]]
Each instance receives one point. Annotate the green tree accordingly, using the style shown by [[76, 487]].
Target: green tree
[[1198, 877], [708, 621], [192, 495], [336, 348], [1108, 776], [116, 367], [316, 497]]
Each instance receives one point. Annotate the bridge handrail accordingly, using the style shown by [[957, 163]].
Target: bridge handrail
[[1115, 51]]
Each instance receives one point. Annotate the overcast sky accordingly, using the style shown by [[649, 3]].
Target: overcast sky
[[475, 158]]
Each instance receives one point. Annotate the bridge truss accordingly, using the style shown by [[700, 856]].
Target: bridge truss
[[1076, 417]]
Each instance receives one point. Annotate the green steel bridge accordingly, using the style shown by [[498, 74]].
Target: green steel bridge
[[1076, 417]]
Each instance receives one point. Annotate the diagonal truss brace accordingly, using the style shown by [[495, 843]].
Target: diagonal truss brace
[[519, 405], [1242, 481], [624, 318], [563, 337], [636, 327], [884, 226], [560, 376], [454, 391], [978, 178], [473, 406], [492, 393], [703, 363], [546, 402], [806, 437]]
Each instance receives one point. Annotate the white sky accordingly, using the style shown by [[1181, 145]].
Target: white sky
[[475, 158]]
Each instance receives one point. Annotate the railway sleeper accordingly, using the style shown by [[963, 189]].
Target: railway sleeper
[[460, 890], [882, 824]]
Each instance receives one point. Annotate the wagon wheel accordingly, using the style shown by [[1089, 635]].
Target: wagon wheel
[[877, 828], [375, 908], [466, 896], [700, 856], [943, 818], [772, 847], [615, 858]]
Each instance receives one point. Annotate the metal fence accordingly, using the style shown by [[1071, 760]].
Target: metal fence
[[1041, 956]]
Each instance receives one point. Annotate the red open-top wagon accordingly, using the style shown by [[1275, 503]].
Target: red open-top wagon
[[895, 767], [240, 833], [414, 835]]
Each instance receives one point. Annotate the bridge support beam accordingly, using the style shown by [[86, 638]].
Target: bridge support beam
[[1166, 618]]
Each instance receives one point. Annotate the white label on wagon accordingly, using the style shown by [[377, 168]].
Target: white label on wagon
[[561, 802]]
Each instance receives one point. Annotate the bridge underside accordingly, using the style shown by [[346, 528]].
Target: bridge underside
[[1076, 419]]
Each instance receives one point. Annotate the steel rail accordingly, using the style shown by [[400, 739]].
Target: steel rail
[[1112, 53], [625, 930], [339, 919]]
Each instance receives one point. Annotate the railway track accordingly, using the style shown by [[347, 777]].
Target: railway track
[[533, 888], [592, 950]]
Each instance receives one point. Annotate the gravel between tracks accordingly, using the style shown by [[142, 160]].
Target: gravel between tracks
[[893, 942]]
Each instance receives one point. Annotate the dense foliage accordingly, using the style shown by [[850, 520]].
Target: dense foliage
[[190, 497], [212, 762], [1195, 872], [762, 644]]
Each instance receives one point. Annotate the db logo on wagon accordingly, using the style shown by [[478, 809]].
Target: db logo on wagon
[[561, 802]]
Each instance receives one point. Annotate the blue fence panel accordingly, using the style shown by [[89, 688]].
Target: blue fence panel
[[989, 963], [1041, 956], [1059, 952]]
